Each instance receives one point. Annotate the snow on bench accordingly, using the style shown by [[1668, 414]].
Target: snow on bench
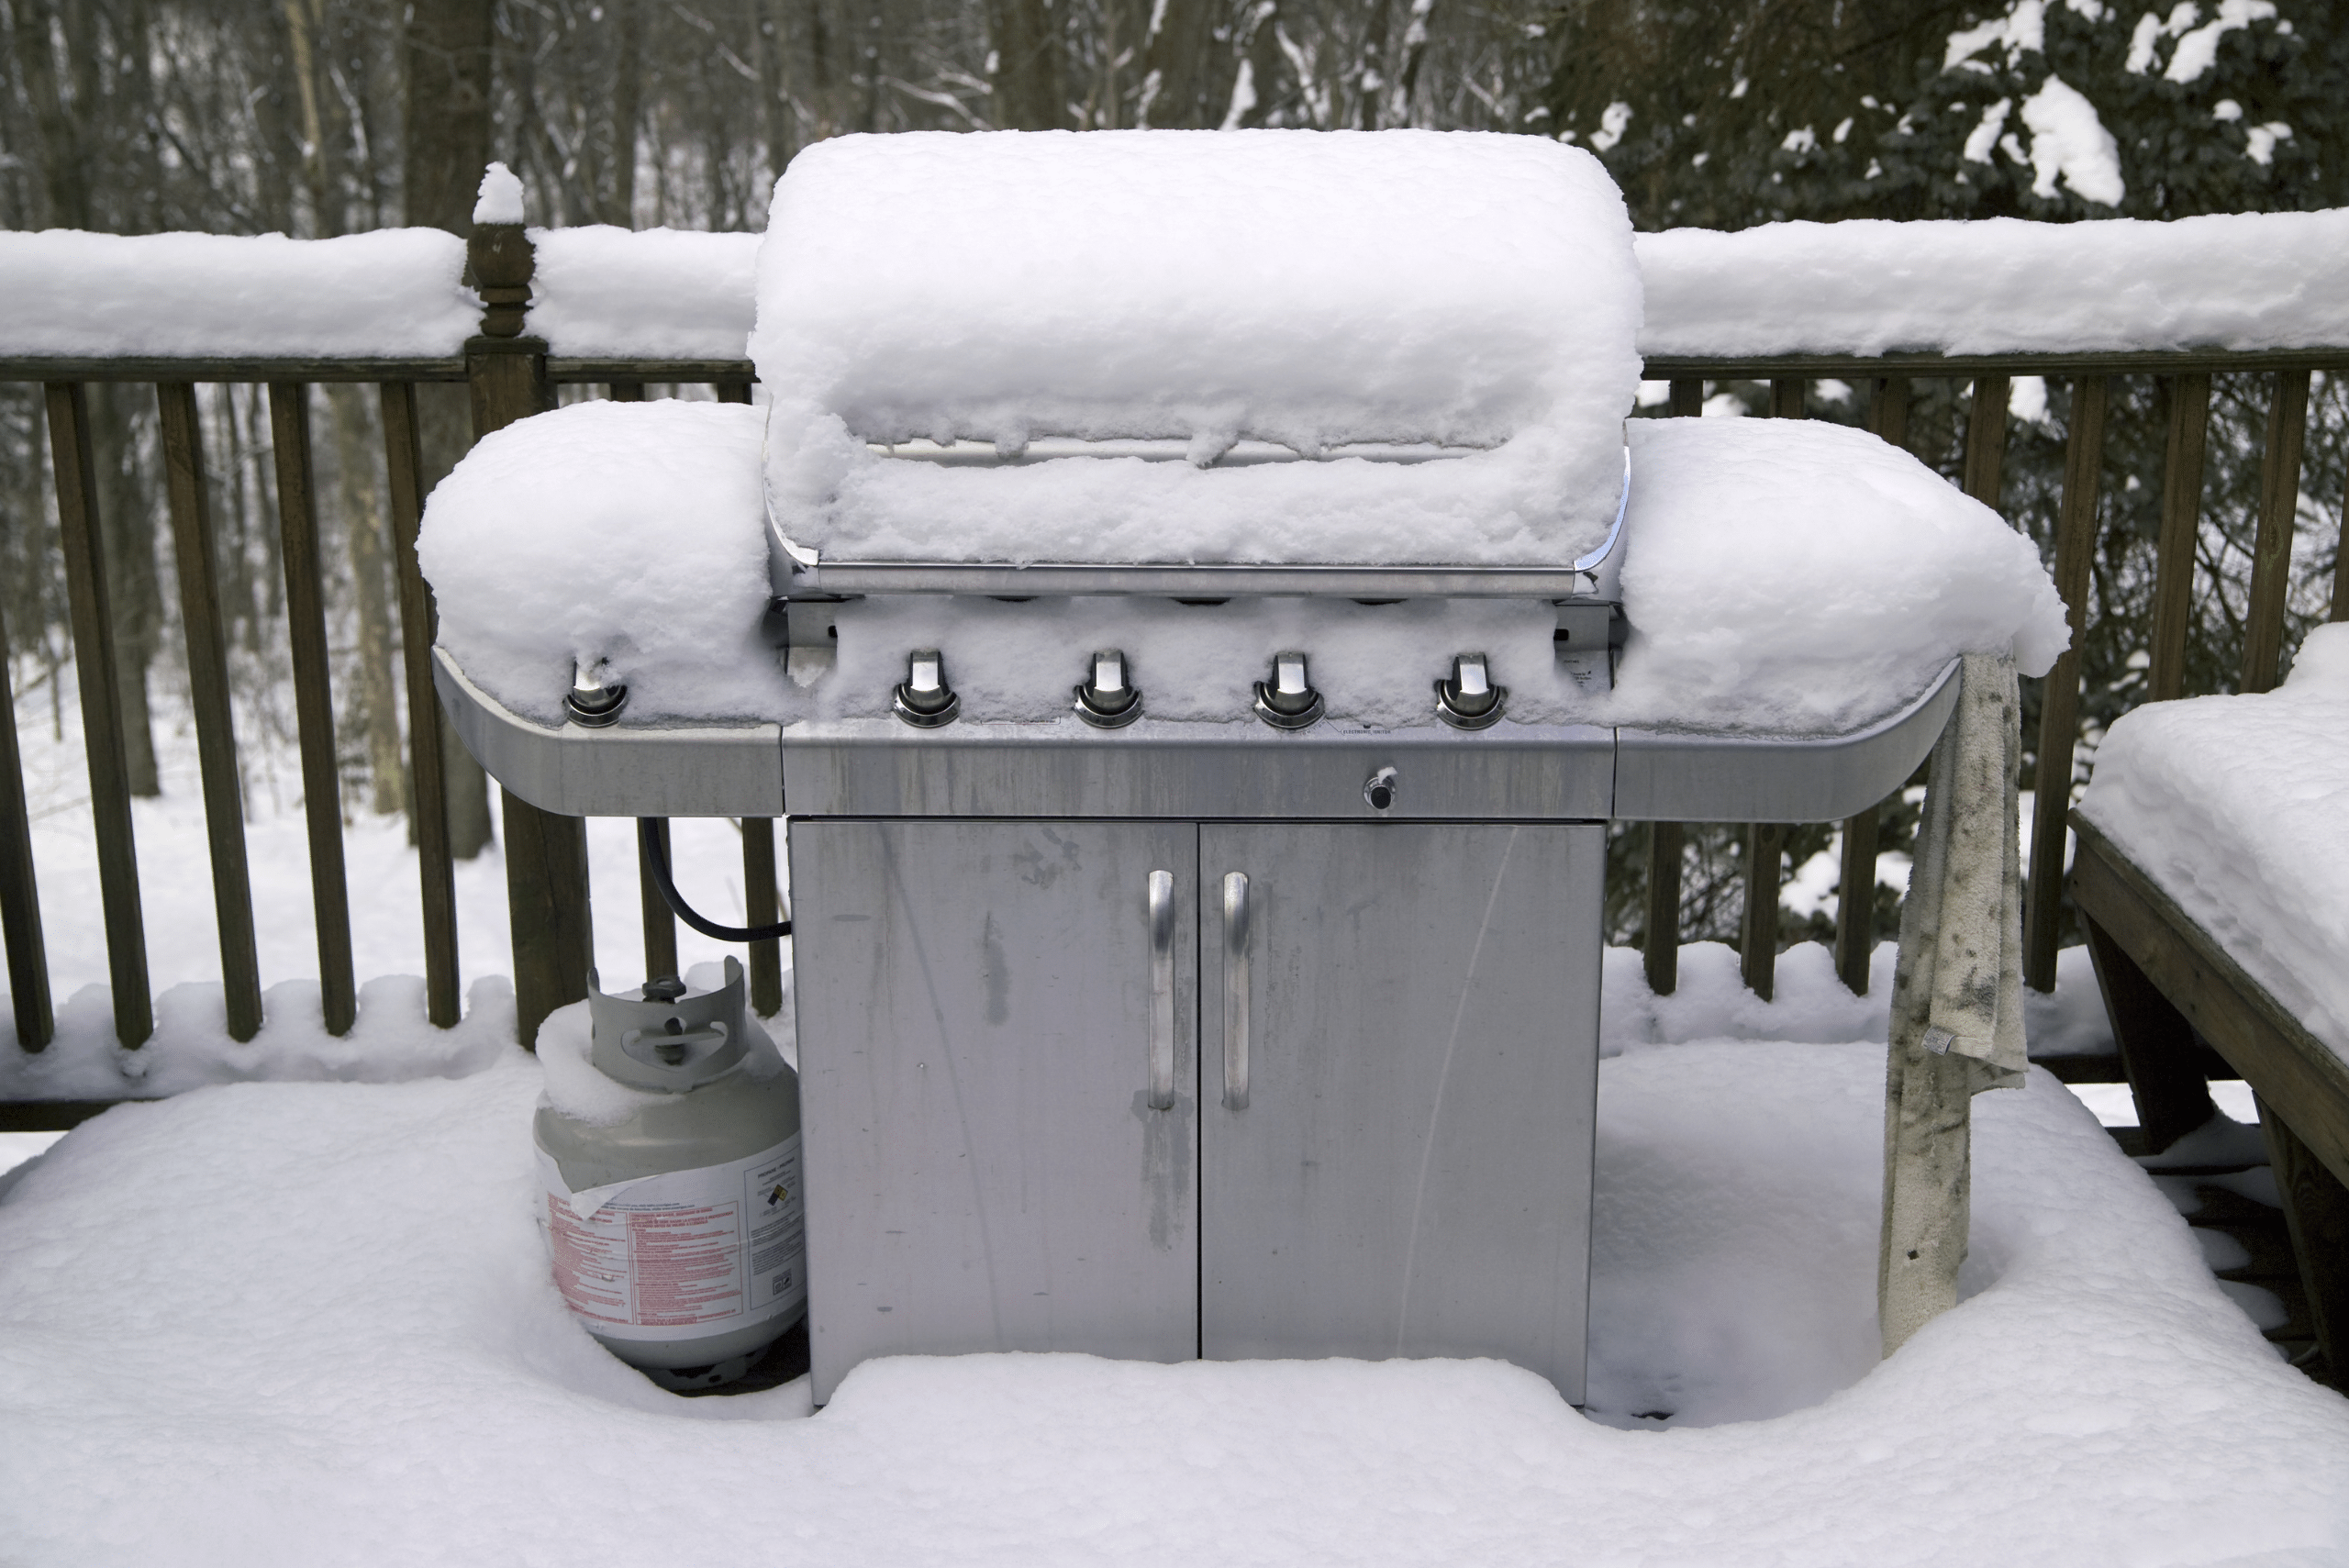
[[2238, 809]]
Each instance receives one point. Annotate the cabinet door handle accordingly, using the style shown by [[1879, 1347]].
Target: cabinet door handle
[[1235, 990], [1161, 990]]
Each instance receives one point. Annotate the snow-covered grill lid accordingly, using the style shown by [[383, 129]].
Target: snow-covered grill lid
[[1399, 347]]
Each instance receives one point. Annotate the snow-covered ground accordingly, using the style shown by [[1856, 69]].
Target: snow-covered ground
[[277, 1362], [334, 1340]]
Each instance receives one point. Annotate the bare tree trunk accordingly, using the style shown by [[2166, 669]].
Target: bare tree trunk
[[1024, 45], [1175, 74], [627, 97], [774, 92], [363, 523], [449, 44]]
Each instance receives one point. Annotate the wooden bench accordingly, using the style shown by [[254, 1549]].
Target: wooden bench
[[2165, 981]]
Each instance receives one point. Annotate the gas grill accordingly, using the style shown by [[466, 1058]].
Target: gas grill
[[1175, 1022]]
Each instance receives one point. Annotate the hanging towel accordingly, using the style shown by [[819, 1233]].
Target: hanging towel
[[1957, 997]]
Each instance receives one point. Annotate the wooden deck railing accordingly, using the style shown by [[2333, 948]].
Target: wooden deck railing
[[512, 376], [1889, 379]]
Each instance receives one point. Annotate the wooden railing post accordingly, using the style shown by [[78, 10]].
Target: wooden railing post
[[420, 624], [208, 682], [19, 893], [2059, 699], [93, 665], [2189, 429], [306, 626], [2271, 555], [546, 855]]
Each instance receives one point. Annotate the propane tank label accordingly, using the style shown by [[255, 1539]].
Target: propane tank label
[[684, 1254]]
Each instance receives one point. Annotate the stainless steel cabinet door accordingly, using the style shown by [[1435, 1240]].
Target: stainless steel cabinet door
[[1410, 1174], [998, 1043]]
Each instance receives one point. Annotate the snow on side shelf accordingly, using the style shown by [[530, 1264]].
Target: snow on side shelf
[[632, 531], [1795, 576], [1311, 289], [660, 292], [1779, 576], [2238, 808], [344, 1307], [394, 292], [2000, 285]]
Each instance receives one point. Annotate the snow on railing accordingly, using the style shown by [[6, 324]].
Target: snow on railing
[[1878, 305]]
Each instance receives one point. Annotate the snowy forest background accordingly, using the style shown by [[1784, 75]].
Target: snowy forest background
[[318, 117]]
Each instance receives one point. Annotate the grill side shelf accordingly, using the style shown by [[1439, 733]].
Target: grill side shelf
[[1666, 776], [624, 770]]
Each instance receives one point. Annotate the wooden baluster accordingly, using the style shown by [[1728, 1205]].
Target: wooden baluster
[[546, 855], [1757, 928], [2189, 427], [1855, 900], [660, 925], [1667, 841], [1764, 842], [1661, 936], [216, 726], [305, 626], [1986, 438], [1855, 895], [761, 907], [2271, 556], [627, 392], [2059, 700], [1888, 410], [420, 624], [93, 664], [2340, 608], [19, 893]]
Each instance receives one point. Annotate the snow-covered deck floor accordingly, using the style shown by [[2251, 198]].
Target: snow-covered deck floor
[[314, 1322]]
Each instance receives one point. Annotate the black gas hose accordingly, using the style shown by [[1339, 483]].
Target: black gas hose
[[651, 832]]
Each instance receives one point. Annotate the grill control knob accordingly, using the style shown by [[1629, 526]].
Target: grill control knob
[[1107, 702], [1467, 699], [924, 699], [591, 703], [1288, 701], [1380, 792]]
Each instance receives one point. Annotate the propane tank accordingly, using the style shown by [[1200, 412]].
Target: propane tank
[[677, 1234]]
